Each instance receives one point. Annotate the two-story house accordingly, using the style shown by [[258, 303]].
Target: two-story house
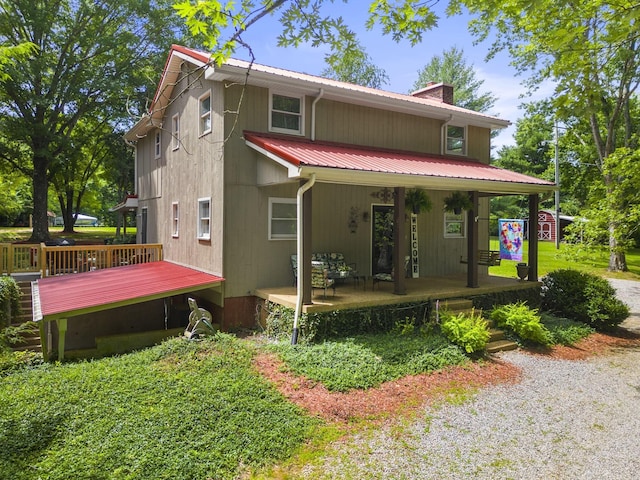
[[230, 156]]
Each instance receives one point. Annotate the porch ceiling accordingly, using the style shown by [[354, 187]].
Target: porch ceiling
[[358, 165]]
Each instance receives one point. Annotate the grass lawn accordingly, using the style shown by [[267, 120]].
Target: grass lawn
[[181, 410], [568, 256], [17, 234]]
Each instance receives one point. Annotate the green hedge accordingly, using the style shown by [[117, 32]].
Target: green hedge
[[339, 323], [9, 300]]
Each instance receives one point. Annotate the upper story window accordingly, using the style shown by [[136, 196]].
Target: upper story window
[[204, 218], [286, 113], [456, 140], [175, 219], [158, 144], [283, 218], [175, 131], [455, 225], [204, 110]]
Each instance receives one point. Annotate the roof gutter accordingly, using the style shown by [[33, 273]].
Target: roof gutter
[[313, 113], [301, 263]]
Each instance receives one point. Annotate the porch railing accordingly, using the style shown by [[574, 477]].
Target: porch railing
[[61, 260], [19, 258]]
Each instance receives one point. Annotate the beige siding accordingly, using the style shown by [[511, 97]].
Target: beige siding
[[195, 170], [239, 248]]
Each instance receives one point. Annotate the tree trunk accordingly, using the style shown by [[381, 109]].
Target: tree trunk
[[617, 257], [40, 186]]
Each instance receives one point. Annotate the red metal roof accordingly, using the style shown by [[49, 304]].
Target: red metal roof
[[304, 152], [69, 295]]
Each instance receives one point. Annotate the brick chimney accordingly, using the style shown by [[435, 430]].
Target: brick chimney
[[442, 92]]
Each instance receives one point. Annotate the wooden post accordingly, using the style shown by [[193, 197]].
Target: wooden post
[[44, 345], [533, 238], [62, 333], [307, 244], [472, 242], [399, 244]]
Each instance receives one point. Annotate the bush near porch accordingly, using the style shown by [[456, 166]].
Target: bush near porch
[[321, 326]]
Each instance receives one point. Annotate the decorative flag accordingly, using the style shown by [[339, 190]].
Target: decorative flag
[[511, 237]]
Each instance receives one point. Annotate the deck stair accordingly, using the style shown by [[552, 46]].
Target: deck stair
[[30, 342], [497, 340]]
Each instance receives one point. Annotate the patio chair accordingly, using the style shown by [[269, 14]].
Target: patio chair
[[319, 278], [388, 277]]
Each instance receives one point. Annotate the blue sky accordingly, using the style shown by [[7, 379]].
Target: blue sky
[[401, 61]]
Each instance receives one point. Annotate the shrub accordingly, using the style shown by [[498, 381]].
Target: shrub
[[583, 297], [564, 331], [9, 299], [523, 321], [468, 330]]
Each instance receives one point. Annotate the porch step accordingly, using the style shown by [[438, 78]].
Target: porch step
[[501, 346], [32, 341]]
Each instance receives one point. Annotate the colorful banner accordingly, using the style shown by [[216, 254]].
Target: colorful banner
[[511, 235]]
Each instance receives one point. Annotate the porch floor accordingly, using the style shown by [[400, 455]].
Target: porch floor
[[350, 294]]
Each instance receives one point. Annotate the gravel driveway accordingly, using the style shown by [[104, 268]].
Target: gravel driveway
[[565, 420]]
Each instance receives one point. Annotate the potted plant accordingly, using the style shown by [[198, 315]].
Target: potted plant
[[416, 201], [457, 202], [523, 270]]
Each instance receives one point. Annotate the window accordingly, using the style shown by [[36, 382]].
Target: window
[[455, 225], [204, 218], [175, 219], [158, 144], [175, 131], [283, 218], [205, 113], [456, 140], [287, 114]]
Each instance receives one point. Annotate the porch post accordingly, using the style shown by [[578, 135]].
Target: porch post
[[472, 242], [533, 237], [62, 333], [399, 244], [307, 245]]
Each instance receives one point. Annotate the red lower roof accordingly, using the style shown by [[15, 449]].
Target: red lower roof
[[70, 295], [306, 153]]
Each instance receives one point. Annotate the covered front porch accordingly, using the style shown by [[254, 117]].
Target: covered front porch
[[363, 294]]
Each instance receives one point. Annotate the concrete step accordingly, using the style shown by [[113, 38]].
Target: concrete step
[[456, 304], [501, 346]]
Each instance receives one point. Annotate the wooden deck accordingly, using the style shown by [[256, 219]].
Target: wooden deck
[[358, 295]]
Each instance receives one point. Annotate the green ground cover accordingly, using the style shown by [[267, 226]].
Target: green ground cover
[[176, 411]]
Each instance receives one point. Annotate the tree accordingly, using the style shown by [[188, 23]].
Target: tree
[[219, 27], [590, 50], [350, 63], [92, 59], [452, 68]]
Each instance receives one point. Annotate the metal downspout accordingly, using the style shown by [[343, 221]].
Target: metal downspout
[[301, 263], [313, 113]]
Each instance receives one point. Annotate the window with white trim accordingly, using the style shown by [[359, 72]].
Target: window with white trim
[[175, 219], [456, 140], [158, 144], [175, 131], [283, 217], [204, 218], [286, 113], [204, 110], [455, 226]]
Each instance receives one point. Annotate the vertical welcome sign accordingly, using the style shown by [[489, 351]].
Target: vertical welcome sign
[[511, 236], [415, 268]]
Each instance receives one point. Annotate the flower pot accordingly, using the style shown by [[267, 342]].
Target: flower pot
[[523, 270]]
